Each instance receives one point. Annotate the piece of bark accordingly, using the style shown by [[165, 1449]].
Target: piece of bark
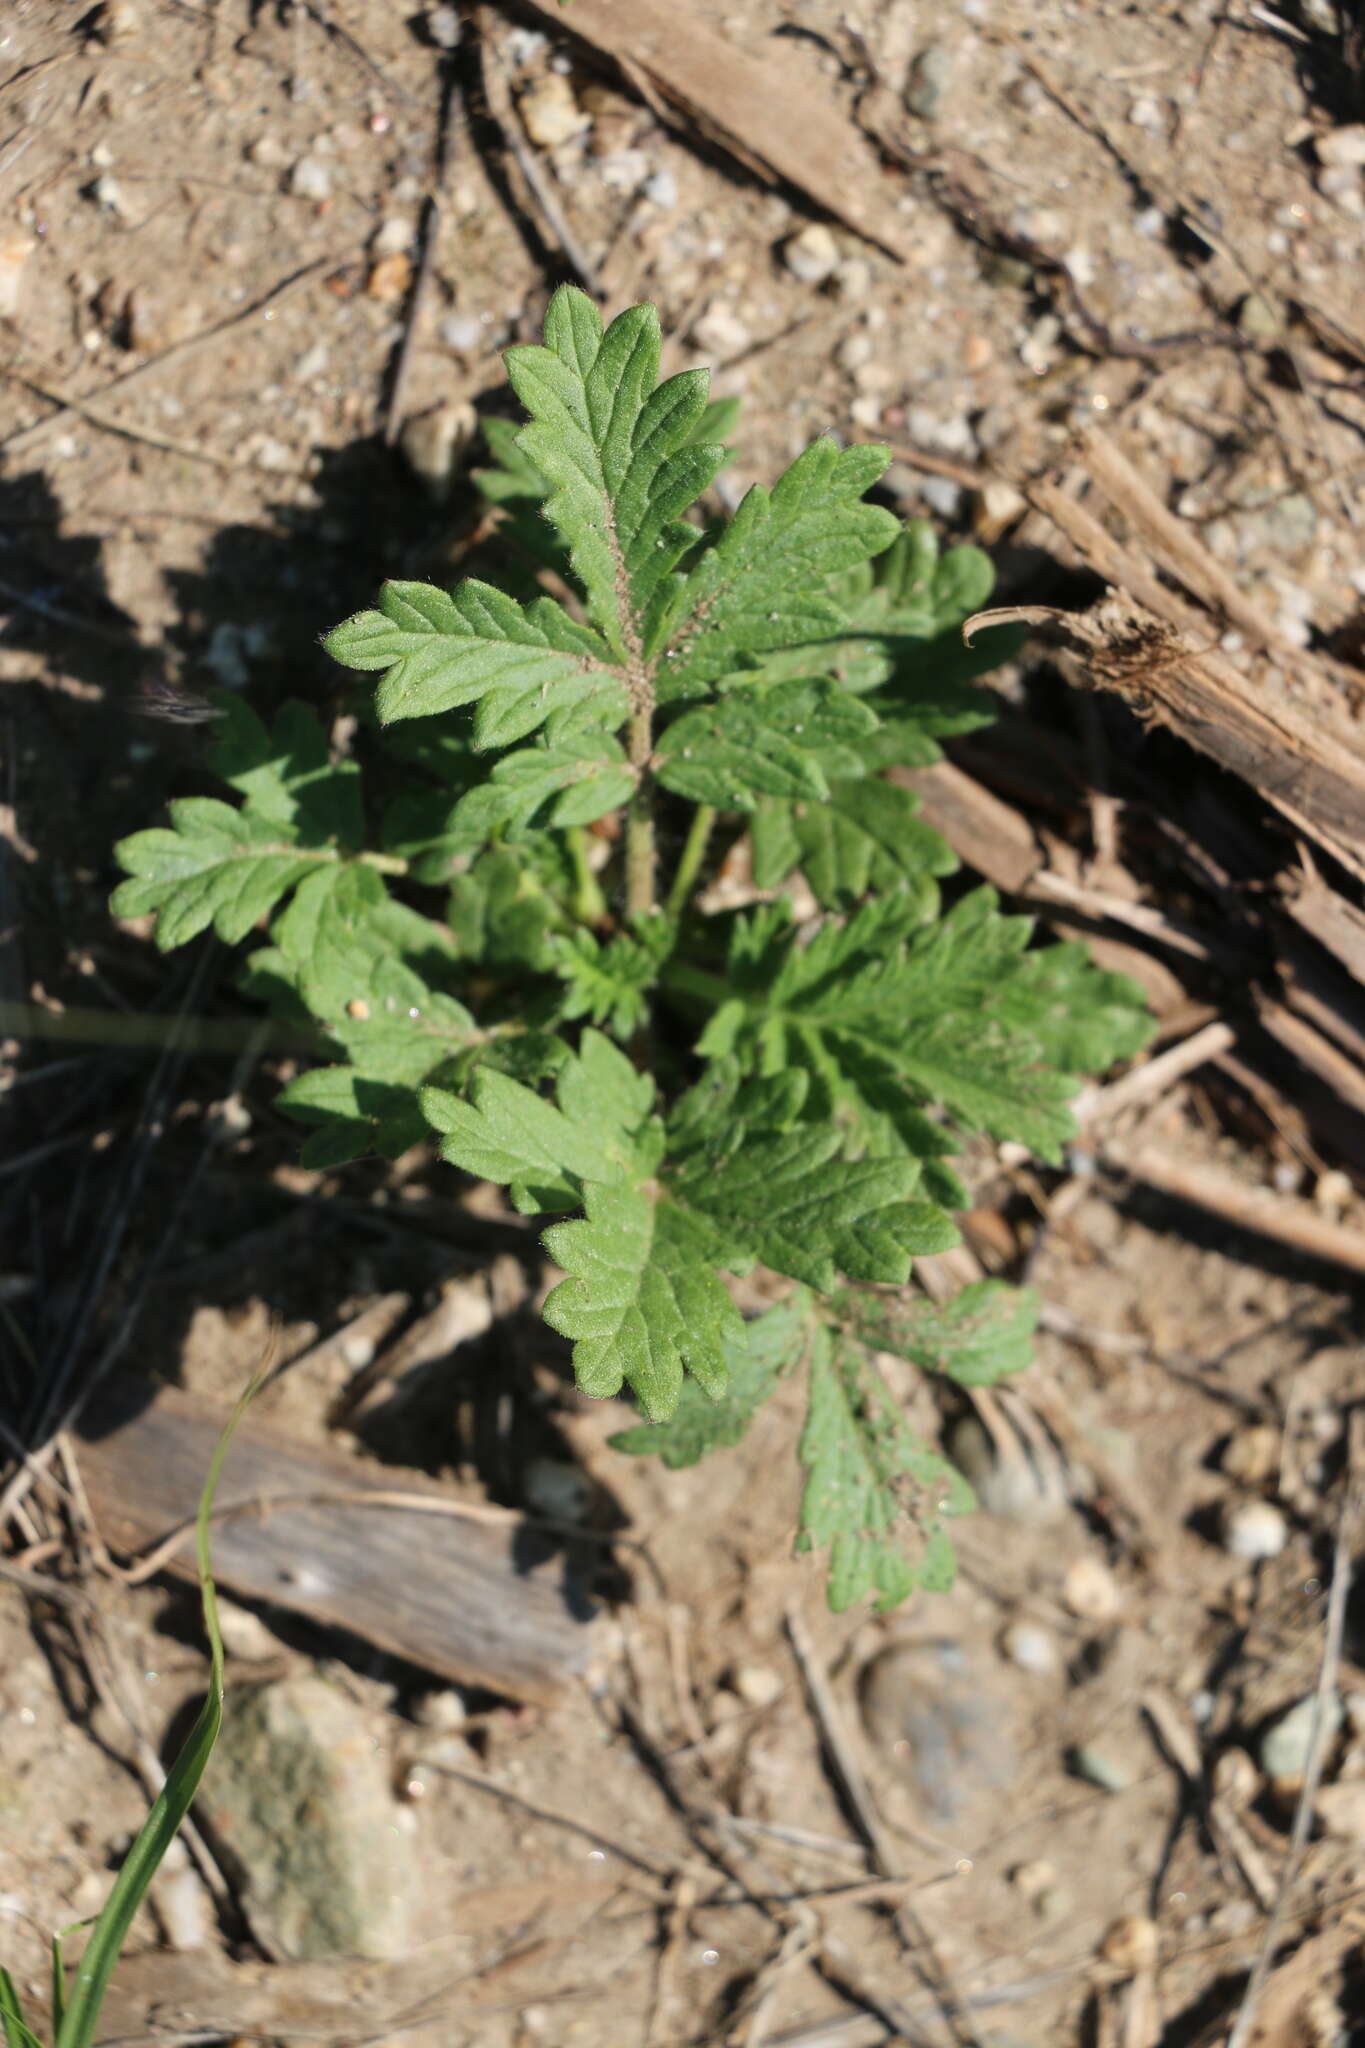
[[765, 111], [447, 1592], [1001, 846], [1172, 677]]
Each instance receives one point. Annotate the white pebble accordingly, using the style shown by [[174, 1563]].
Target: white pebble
[[311, 363], [661, 190], [310, 179], [941, 495], [461, 331], [106, 194], [523, 46], [853, 351], [1254, 1530], [720, 331], [1090, 1590], [813, 255], [393, 236], [758, 1685], [1030, 1647], [1342, 145], [1146, 113]]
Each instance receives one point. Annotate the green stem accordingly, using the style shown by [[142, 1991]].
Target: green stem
[[640, 855], [385, 863], [681, 978], [691, 858], [589, 904]]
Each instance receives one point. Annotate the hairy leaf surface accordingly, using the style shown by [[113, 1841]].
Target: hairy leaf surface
[[875, 1495]]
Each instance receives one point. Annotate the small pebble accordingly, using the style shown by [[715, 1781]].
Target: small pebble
[[978, 353], [107, 195], [854, 351], [244, 1634], [1342, 145], [1251, 1455], [1030, 1647], [1332, 1191], [720, 331], [942, 496], [1254, 1530], [461, 331], [523, 46], [1090, 1591], [393, 236], [1258, 319], [272, 454], [1146, 113], [1341, 184], [1097, 1768], [812, 255], [442, 1710], [550, 113], [1131, 1944], [443, 26], [434, 444], [758, 1685], [661, 190], [310, 179], [998, 506], [118, 21], [927, 1709], [853, 279], [931, 75], [1149, 223], [312, 362], [1284, 1748]]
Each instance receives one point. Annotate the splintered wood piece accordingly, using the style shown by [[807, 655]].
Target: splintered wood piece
[[764, 111], [437, 1582]]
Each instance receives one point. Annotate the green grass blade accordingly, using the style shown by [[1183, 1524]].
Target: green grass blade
[[91, 1980], [58, 1985], [17, 2033]]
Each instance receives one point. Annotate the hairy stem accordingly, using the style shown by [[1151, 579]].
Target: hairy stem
[[691, 858], [641, 860]]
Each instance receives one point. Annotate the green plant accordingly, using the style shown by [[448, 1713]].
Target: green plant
[[701, 1090], [76, 2005]]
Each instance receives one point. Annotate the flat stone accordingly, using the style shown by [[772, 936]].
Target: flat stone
[[928, 1709], [299, 1796]]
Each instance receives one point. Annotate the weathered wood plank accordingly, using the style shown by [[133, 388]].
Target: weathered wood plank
[[309, 1530]]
